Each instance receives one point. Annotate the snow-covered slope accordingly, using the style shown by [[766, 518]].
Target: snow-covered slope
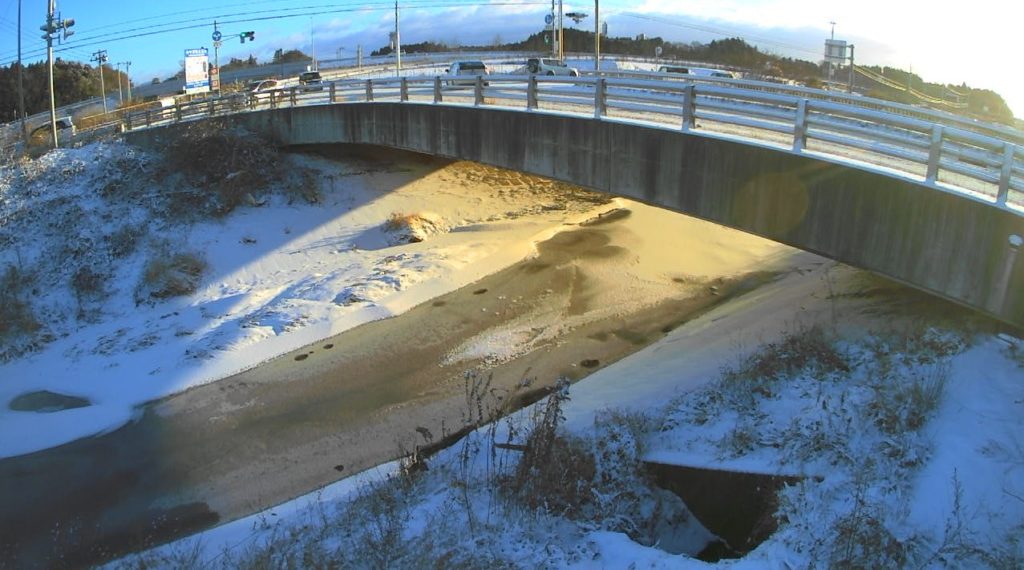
[[81, 229]]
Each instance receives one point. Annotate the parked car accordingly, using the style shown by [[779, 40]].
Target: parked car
[[262, 85], [65, 131], [467, 71], [545, 66], [311, 81], [673, 69], [259, 91]]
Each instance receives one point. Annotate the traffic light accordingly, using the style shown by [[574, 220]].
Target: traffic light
[[251, 36], [54, 25]]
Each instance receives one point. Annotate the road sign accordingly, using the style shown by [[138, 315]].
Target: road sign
[[548, 19], [217, 43], [216, 35]]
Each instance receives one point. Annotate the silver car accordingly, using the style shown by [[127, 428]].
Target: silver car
[[466, 72]]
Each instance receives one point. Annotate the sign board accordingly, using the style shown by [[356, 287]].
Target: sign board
[[548, 18], [835, 51], [214, 78], [216, 35], [197, 72]]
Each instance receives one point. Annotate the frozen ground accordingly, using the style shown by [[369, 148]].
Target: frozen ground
[[910, 437], [78, 232], [913, 446]]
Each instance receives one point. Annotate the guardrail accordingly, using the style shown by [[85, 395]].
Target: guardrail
[[938, 150]]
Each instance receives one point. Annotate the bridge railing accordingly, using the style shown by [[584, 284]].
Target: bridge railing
[[984, 161]]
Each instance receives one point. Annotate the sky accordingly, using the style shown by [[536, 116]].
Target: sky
[[976, 45]]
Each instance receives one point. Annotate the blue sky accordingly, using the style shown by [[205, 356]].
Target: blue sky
[[976, 45]]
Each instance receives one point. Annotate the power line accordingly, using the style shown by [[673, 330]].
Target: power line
[[238, 18]]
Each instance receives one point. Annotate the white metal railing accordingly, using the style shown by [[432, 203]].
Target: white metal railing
[[937, 149]]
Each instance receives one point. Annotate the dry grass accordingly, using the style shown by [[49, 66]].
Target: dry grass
[[412, 228], [225, 168], [16, 316], [171, 275]]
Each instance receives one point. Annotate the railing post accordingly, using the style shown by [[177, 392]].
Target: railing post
[[1009, 151], [369, 90], [531, 94], [404, 90], [149, 118], [333, 91], [689, 104], [800, 126], [177, 112], [291, 96], [934, 155], [478, 91], [600, 98], [437, 89], [209, 107]]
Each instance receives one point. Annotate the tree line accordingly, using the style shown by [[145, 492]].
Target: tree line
[[73, 81]]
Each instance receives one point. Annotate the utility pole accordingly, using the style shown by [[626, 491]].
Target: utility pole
[[831, 69], [561, 36], [312, 43], [359, 56], [554, 38], [100, 57], [597, 35], [128, 77], [852, 70], [21, 85], [120, 92], [398, 44], [51, 27]]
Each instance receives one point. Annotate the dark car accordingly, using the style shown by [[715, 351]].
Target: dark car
[[311, 81]]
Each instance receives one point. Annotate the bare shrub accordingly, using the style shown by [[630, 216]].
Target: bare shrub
[[556, 471], [224, 166], [170, 275], [16, 315], [378, 516], [87, 282], [903, 403], [124, 241], [412, 228], [862, 539], [306, 186], [805, 350]]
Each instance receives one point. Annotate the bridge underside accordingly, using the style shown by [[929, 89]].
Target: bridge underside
[[940, 242]]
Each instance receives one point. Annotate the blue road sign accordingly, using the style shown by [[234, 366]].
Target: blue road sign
[[548, 19], [216, 35]]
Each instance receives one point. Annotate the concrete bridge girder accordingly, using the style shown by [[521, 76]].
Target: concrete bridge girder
[[951, 245]]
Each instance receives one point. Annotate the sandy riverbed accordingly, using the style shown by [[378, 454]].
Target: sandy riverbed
[[590, 296]]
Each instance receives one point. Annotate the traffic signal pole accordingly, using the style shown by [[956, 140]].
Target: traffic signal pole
[[51, 27], [49, 65]]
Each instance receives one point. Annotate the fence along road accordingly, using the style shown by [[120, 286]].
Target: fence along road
[[929, 199], [937, 149]]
